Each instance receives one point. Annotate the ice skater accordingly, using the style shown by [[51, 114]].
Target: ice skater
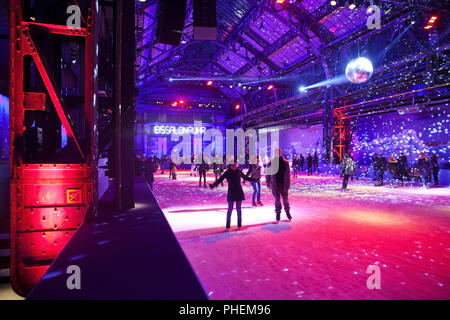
[[150, 169], [316, 163], [280, 183], [295, 165], [302, 161], [254, 171], [435, 168], [202, 168], [392, 169], [382, 166], [424, 168], [347, 169], [234, 193], [309, 162]]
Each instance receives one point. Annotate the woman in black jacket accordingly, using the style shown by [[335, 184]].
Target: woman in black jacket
[[235, 192]]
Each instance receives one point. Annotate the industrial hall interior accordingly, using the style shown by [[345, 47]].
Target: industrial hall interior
[[224, 150]]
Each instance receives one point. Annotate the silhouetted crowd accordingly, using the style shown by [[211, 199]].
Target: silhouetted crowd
[[298, 162], [397, 168]]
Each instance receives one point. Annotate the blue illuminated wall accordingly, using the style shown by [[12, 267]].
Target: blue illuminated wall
[[410, 133], [4, 128], [302, 140]]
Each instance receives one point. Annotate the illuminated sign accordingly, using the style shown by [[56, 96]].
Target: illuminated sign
[[178, 130]]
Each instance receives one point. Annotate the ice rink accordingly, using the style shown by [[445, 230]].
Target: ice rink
[[324, 252]]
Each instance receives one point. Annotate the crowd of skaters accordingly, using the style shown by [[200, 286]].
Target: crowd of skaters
[[279, 183], [397, 168]]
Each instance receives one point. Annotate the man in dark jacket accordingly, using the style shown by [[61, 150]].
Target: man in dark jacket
[[316, 162], [150, 168], [302, 161], [202, 168], [382, 166], [295, 165], [402, 166], [435, 168], [280, 183], [309, 162]]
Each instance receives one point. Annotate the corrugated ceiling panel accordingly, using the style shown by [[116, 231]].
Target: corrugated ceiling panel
[[269, 27], [289, 53]]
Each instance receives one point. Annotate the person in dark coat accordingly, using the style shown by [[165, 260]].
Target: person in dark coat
[[348, 167], [172, 170], [375, 166], [302, 161], [155, 161], [402, 168], [163, 163], [234, 193], [316, 162], [202, 168], [254, 172], [280, 183], [392, 168], [295, 165], [382, 166], [435, 168], [150, 169], [309, 162], [424, 168]]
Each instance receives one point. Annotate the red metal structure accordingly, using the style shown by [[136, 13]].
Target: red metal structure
[[341, 134], [52, 198]]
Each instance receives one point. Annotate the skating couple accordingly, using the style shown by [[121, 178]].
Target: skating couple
[[279, 183]]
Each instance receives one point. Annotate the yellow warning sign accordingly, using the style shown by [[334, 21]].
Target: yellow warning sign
[[73, 196]]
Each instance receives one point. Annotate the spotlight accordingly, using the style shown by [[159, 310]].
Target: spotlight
[[302, 89], [352, 6], [280, 1], [209, 83], [237, 107], [170, 79], [181, 101], [333, 3], [270, 87]]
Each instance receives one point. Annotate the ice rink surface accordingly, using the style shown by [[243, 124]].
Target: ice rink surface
[[324, 252]]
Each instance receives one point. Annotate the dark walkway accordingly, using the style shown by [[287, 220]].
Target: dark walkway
[[127, 255]]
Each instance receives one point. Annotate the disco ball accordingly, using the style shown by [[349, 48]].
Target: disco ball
[[359, 70]]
